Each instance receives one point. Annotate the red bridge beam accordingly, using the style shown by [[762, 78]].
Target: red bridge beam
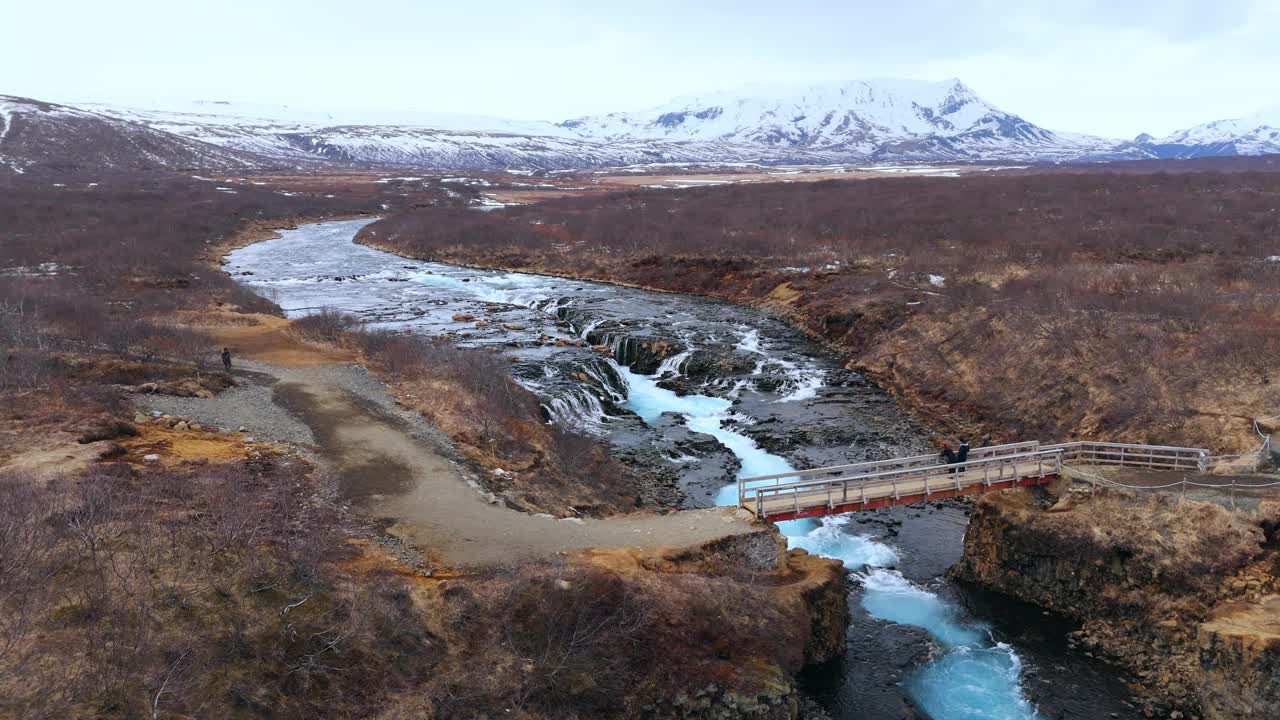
[[884, 502]]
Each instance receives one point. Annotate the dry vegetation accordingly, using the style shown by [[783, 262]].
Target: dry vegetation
[[222, 581], [203, 591], [229, 591], [497, 425], [1127, 306], [94, 275]]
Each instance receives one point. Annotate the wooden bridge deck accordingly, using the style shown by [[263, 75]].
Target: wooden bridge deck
[[901, 481]]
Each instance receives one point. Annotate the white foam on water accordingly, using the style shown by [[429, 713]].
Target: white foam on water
[[802, 383], [829, 539], [673, 364], [750, 342], [889, 596], [706, 414], [972, 678], [968, 683]]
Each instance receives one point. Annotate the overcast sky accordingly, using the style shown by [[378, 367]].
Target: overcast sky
[[1110, 67]]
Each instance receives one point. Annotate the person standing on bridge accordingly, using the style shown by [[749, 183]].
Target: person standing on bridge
[[955, 457]]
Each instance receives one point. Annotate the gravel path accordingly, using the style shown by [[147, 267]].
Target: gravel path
[[390, 463], [1235, 492]]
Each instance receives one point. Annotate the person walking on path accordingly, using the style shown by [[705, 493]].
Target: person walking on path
[[226, 359]]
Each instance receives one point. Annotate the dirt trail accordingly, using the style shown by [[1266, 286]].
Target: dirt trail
[[390, 464], [385, 472]]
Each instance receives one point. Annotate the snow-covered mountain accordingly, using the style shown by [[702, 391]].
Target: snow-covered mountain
[[871, 119], [1257, 134], [864, 121], [38, 135], [436, 140], [889, 120]]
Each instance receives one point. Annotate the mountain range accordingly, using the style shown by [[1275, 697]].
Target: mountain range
[[857, 122]]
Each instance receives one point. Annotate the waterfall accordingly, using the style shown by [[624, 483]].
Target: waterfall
[[673, 365], [968, 677]]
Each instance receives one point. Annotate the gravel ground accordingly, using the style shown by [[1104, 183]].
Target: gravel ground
[[251, 405], [248, 405], [1233, 492]]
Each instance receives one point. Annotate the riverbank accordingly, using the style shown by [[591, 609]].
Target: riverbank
[[673, 559], [973, 299], [677, 366], [1180, 594]]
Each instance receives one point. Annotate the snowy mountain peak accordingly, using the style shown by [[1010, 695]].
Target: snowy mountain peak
[[815, 115], [874, 120], [890, 119], [1256, 134]]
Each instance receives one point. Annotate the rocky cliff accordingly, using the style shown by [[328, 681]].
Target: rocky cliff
[[740, 618], [1174, 592]]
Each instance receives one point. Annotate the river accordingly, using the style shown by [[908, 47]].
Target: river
[[701, 392]]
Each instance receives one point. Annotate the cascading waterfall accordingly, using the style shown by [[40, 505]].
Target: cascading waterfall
[[606, 377], [586, 329], [580, 406], [801, 383], [674, 364], [971, 678]]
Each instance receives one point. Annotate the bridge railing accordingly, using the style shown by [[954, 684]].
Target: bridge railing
[[847, 490], [845, 485], [1151, 457], [1233, 464], [874, 466]]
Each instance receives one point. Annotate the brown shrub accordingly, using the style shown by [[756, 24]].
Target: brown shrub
[[195, 593], [580, 639], [325, 325]]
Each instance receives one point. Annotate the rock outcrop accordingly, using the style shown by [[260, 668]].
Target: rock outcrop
[[1240, 660], [795, 604], [1173, 591]]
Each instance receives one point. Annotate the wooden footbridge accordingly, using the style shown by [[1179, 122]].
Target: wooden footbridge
[[902, 481]]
